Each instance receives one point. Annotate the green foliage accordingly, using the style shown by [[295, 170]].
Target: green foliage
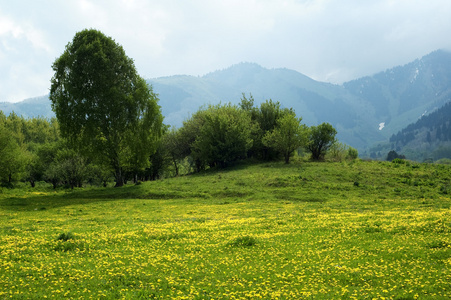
[[172, 143], [287, 136], [65, 236], [266, 117], [103, 105], [100, 174], [444, 161], [393, 155], [398, 161], [14, 156], [341, 152], [225, 136], [352, 153], [188, 135], [160, 159], [72, 167], [320, 139], [67, 241], [243, 241]]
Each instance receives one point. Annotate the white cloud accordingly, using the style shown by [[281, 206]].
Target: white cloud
[[328, 40]]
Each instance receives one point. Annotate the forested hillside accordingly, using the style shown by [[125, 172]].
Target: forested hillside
[[401, 95], [428, 138]]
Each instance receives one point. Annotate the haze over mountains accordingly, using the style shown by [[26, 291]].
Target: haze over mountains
[[364, 111]]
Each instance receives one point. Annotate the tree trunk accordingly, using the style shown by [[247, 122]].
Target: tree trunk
[[287, 158], [119, 177], [135, 178], [176, 167]]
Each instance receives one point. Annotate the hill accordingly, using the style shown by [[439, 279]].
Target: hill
[[401, 95], [315, 101], [29, 108], [365, 111], [427, 139], [368, 230]]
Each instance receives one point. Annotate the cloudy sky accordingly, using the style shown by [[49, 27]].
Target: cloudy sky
[[328, 40]]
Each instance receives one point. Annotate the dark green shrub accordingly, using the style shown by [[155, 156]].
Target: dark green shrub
[[393, 155], [66, 242], [66, 236], [399, 161], [243, 241], [352, 153]]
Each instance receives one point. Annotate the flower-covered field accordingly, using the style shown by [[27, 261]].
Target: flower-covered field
[[363, 230]]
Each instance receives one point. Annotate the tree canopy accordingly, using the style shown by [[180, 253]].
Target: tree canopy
[[103, 105], [287, 136], [321, 138], [225, 135]]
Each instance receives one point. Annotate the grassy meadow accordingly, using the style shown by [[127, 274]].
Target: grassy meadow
[[351, 230]]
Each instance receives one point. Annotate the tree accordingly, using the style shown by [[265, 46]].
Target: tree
[[103, 105], [188, 134], [394, 155], [72, 167], [341, 152], [225, 135], [265, 119], [320, 139], [14, 156], [287, 136], [172, 143]]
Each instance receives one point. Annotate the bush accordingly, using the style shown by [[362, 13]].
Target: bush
[[341, 152], [393, 155], [243, 241], [399, 161], [66, 236], [66, 242], [353, 153], [444, 161]]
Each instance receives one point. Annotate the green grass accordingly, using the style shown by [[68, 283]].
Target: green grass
[[360, 230]]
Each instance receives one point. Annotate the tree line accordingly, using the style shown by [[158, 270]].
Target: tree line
[[109, 125], [34, 150]]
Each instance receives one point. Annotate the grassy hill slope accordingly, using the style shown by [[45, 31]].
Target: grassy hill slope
[[366, 230]]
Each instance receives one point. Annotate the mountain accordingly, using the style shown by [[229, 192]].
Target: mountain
[[364, 111], [29, 108], [429, 138], [401, 95], [315, 101]]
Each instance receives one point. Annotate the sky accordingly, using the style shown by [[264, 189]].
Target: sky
[[328, 40]]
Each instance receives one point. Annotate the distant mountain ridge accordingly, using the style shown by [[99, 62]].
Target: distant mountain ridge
[[29, 108], [427, 139], [401, 95], [364, 111]]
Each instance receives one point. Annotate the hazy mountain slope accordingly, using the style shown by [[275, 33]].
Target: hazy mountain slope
[[403, 94], [315, 101], [29, 108], [428, 138], [364, 111]]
